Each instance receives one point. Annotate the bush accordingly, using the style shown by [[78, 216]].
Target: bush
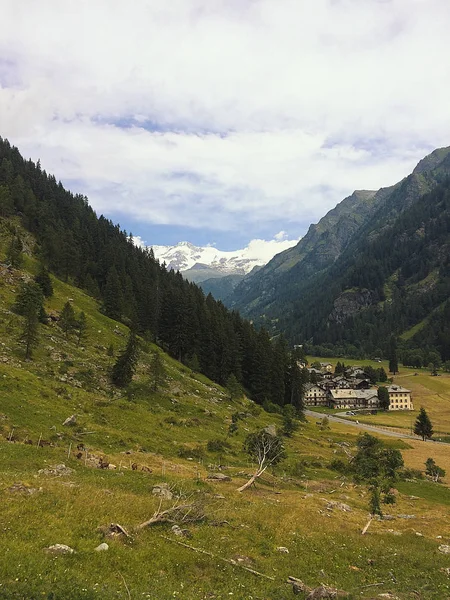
[[270, 407], [217, 446], [339, 465]]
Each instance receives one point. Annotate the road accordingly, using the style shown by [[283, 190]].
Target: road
[[365, 427]]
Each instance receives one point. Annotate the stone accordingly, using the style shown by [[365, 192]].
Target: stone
[[218, 477], [162, 490], [406, 516], [72, 420], [59, 549], [271, 430], [444, 549], [282, 549], [339, 505], [325, 592], [102, 547], [176, 530], [56, 470], [21, 488]]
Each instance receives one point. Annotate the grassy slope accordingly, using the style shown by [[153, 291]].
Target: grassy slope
[[149, 429]]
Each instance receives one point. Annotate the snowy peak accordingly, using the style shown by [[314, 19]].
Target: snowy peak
[[185, 256]]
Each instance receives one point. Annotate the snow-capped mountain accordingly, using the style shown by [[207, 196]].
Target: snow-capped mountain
[[187, 257]]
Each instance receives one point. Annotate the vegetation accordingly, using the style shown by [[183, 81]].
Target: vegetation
[[423, 426]]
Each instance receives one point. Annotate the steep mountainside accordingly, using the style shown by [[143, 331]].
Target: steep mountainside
[[342, 274]]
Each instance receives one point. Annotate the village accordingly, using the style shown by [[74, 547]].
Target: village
[[350, 389]]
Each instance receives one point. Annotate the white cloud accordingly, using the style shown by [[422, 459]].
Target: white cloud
[[262, 110]]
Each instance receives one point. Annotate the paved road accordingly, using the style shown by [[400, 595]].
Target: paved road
[[364, 426]]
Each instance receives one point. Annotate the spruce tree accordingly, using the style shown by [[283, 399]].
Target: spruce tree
[[81, 327], [157, 371], [233, 387], [423, 425], [112, 295], [14, 253], [125, 365], [67, 318], [393, 359], [44, 282], [29, 305], [383, 397]]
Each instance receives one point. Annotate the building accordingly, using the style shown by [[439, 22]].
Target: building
[[352, 398], [399, 398], [326, 366], [315, 395]]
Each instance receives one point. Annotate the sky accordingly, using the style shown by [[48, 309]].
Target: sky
[[224, 121]]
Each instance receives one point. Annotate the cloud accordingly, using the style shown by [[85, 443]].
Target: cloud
[[225, 114]]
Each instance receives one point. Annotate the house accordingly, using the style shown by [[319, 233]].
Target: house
[[399, 398], [352, 398], [326, 366], [315, 395]]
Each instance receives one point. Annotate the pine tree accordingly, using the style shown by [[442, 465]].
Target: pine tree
[[14, 253], [233, 387], [112, 295], [67, 318], [125, 365], [157, 371], [393, 359], [423, 426], [383, 397], [29, 305], [44, 282], [81, 327]]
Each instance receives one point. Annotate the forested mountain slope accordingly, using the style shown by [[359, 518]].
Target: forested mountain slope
[[98, 257], [374, 265]]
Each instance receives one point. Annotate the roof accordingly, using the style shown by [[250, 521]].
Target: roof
[[398, 388], [343, 393]]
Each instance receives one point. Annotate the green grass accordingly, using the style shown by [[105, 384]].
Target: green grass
[[287, 508]]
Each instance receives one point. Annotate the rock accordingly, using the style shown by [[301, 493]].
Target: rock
[[446, 570], [102, 547], [57, 549], [323, 591], [72, 420], [271, 430], [298, 587], [388, 596], [419, 534], [388, 518], [339, 505], [163, 491], [181, 532], [406, 516], [282, 549], [218, 477], [444, 549], [219, 497], [21, 488], [56, 470]]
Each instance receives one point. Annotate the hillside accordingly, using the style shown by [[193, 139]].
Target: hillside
[[240, 544], [374, 265]]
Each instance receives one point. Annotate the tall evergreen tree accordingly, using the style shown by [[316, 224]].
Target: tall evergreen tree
[[393, 359], [44, 281], [112, 295], [29, 305], [157, 371], [423, 426], [125, 365], [14, 252], [81, 327], [383, 397], [67, 320]]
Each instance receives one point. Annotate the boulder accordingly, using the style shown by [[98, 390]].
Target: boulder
[[102, 547], [444, 549], [162, 490], [282, 549], [218, 477], [59, 549]]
